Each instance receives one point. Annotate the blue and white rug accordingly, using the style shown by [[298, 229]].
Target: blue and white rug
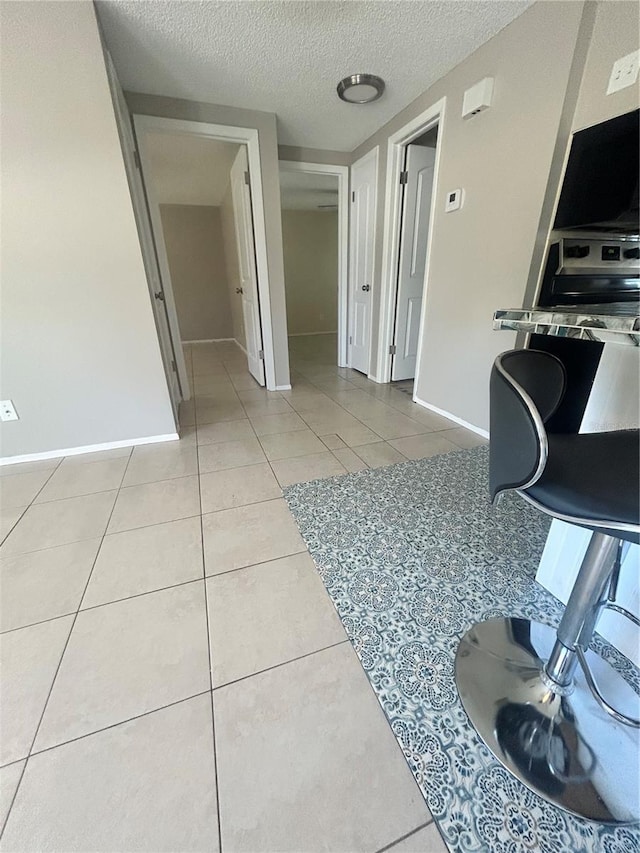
[[412, 556]]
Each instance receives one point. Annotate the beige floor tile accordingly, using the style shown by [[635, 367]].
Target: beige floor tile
[[20, 489], [187, 413], [325, 422], [350, 460], [96, 456], [333, 441], [271, 424], [59, 523], [258, 394], [267, 406], [208, 365], [219, 413], [187, 436], [225, 431], [230, 454], [219, 397], [356, 435], [301, 469], [268, 614], [148, 784], [422, 446], [154, 462], [396, 425], [145, 559], [29, 467], [314, 729], [29, 659], [425, 416], [238, 487], [44, 584], [9, 781], [211, 384], [290, 444], [70, 481], [9, 518], [425, 840], [378, 455], [247, 535], [155, 503], [127, 658], [307, 400], [242, 381], [464, 437]]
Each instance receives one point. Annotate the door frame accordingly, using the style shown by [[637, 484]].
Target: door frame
[[144, 124], [373, 154], [396, 145], [342, 174]]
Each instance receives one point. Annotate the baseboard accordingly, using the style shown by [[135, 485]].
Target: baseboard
[[238, 344], [87, 448], [209, 341], [283, 388], [483, 432], [309, 334]]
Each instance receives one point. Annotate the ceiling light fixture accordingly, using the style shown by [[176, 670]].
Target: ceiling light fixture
[[360, 88]]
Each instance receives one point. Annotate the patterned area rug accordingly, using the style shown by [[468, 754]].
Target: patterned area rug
[[412, 555]]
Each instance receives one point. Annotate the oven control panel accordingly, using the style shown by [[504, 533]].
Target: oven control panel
[[591, 256]]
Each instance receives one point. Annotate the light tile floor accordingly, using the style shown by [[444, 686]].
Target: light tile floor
[[174, 676]]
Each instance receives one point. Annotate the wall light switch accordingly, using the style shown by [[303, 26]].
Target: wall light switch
[[624, 72], [454, 200], [7, 411]]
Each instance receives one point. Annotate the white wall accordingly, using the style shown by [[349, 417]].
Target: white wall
[[80, 355]]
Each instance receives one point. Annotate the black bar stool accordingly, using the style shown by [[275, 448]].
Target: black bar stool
[[530, 692]]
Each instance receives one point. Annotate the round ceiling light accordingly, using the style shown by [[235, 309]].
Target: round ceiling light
[[360, 88]]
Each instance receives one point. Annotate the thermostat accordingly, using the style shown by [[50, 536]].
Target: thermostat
[[454, 200]]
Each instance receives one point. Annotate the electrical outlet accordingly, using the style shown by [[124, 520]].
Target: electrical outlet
[[624, 72], [7, 411]]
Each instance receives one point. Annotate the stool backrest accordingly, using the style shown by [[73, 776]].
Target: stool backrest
[[526, 388]]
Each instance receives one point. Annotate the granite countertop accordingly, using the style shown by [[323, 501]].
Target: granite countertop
[[582, 322]]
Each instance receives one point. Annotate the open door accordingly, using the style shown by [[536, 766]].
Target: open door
[[172, 359], [364, 175], [243, 218], [416, 207]]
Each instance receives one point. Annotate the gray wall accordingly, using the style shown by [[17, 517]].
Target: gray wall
[[80, 354], [265, 123], [310, 243], [195, 250], [615, 34], [502, 157]]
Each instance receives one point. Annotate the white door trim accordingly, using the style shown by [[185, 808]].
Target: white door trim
[[245, 136], [396, 143], [370, 155], [342, 174]]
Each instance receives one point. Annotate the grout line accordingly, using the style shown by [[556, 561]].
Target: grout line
[[31, 502], [404, 837], [115, 725], [209, 648], [64, 649], [282, 663]]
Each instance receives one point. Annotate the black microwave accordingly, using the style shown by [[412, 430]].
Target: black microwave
[[600, 187]]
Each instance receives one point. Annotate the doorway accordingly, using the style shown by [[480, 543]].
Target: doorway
[[413, 155], [211, 280], [315, 245]]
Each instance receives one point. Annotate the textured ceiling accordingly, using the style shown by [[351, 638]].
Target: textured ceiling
[[307, 191], [287, 56], [189, 169]]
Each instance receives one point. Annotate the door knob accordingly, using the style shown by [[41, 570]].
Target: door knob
[[366, 287], [239, 290]]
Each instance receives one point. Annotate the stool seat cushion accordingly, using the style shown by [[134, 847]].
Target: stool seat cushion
[[593, 477]]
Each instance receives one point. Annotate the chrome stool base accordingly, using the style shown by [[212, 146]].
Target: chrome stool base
[[562, 745]]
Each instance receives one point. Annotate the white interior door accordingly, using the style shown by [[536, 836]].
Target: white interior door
[[241, 194], [416, 207], [364, 174], [172, 359]]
